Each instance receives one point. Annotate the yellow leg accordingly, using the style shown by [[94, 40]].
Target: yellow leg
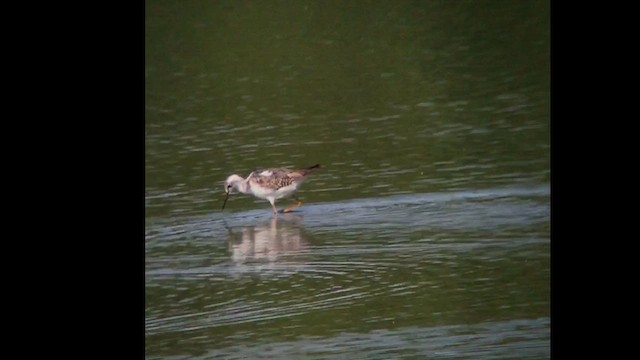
[[290, 208]]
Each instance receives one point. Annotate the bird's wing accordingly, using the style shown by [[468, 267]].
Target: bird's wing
[[275, 178]]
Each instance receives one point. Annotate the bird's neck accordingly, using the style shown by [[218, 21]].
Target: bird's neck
[[243, 186]]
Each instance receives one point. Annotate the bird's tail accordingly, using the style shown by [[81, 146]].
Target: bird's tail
[[310, 169]]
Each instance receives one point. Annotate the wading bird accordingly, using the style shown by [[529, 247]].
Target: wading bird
[[270, 184]]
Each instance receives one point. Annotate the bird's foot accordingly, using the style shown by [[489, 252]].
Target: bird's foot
[[291, 208]]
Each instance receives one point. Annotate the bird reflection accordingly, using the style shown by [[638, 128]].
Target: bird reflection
[[269, 241]]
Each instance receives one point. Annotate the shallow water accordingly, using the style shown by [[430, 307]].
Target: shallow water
[[425, 234], [432, 270]]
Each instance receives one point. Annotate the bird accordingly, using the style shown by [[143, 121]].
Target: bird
[[270, 184]]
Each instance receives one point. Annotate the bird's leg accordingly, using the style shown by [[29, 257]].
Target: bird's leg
[[273, 205], [290, 208]]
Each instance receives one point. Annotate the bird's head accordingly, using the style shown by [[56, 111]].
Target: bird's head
[[230, 184]]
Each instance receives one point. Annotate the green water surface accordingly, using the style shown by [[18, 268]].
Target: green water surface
[[426, 233]]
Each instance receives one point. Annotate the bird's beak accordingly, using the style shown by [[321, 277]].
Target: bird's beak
[[225, 200]]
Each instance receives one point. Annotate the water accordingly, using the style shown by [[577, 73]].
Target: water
[[426, 232]]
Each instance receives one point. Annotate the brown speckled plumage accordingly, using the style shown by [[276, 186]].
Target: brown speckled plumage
[[279, 177]]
